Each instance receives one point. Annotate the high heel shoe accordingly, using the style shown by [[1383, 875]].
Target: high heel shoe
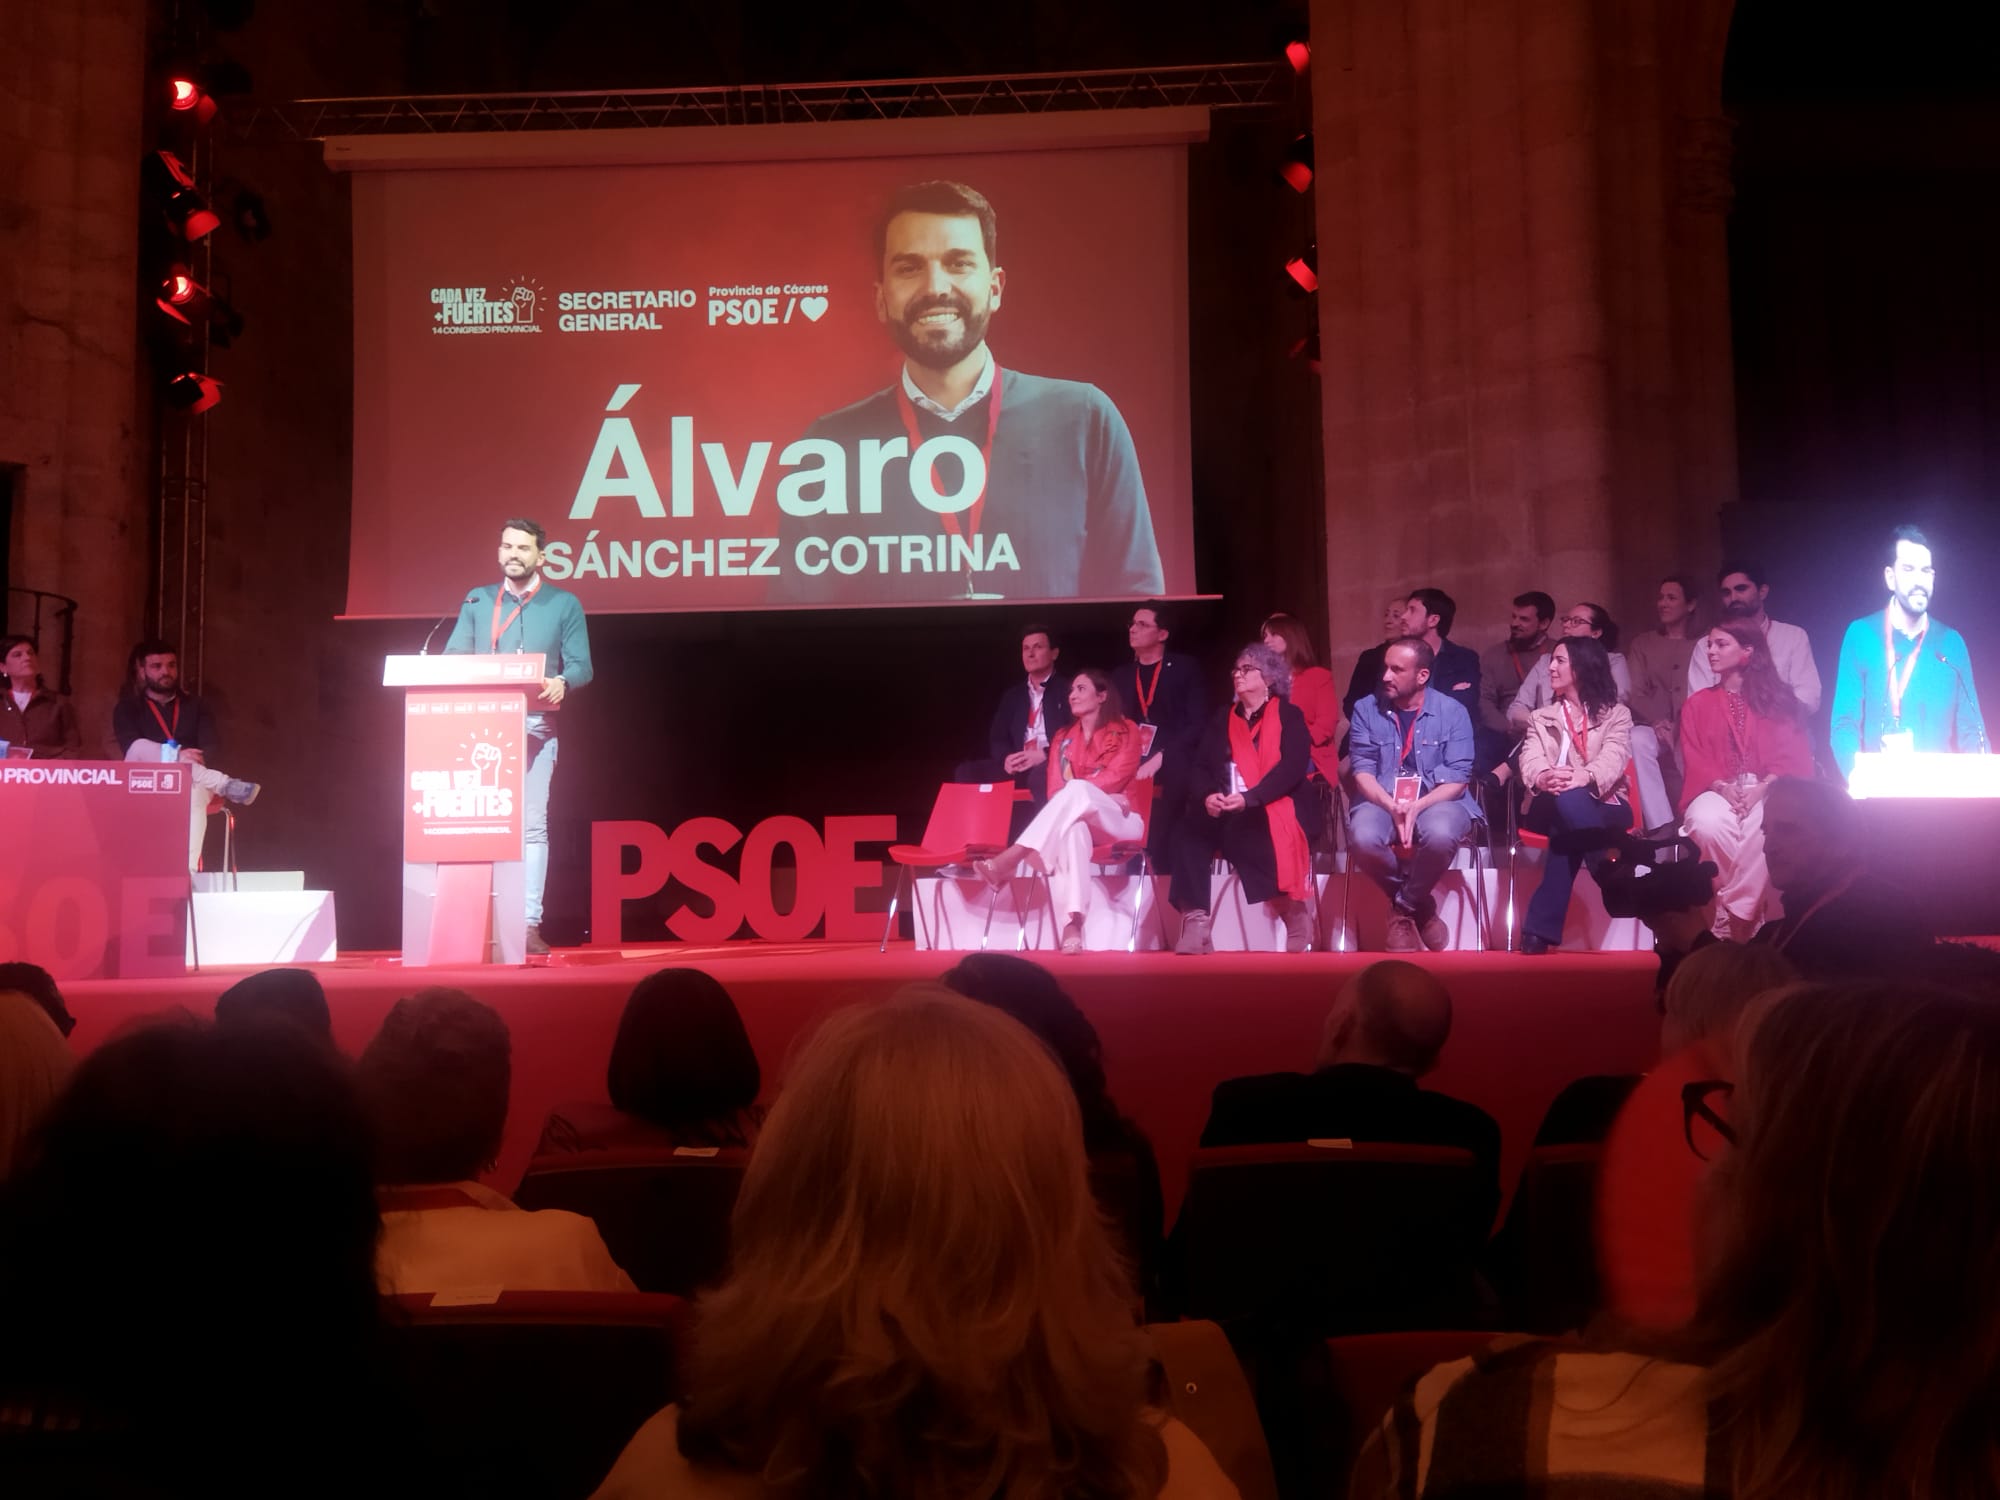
[[989, 872], [1072, 938]]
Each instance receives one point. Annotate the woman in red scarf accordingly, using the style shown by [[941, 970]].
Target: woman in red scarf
[[1735, 739], [1314, 693], [1090, 765]]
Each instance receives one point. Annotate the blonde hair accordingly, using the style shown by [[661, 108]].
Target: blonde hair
[[1715, 983], [34, 1065], [923, 1298]]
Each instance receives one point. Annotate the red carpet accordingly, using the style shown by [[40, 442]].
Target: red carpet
[[1172, 1027]]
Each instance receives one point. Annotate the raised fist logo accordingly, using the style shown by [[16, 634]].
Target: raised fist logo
[[524, 304], [486, 761]]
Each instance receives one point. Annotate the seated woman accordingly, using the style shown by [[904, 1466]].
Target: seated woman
[[1090, 765], [31, 716], [923, 1298], [1253, 760], [1846, 1338], [682, 1073], [1573, 762], [1313, 692], [1735, 739]]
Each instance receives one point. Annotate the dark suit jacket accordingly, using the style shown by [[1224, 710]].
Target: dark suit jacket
[[1354, 1101], [1009, 730], [1179, 710], [1869, 931]]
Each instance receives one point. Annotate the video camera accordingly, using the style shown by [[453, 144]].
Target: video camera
[[1645, 878]]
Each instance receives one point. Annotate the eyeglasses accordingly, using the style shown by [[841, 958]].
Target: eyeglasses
[[1695, 1106], [1588, 622], [1242, 670]]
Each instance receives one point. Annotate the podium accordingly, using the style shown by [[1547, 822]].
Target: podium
[[464, 776]]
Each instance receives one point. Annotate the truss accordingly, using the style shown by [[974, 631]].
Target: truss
[[1232, 86]]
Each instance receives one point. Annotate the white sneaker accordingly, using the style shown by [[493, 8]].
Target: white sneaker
[[1194, 936]]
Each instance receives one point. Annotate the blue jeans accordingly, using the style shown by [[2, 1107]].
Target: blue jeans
[[1579, 830], [1440, 829], [535, 810]]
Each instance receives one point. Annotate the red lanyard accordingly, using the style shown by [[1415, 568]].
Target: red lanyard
[[500, 626], [1899, 684], [1578, 738], [1410, 734], [978, 506], [1035, 711], [171, 731], [1146, 690]]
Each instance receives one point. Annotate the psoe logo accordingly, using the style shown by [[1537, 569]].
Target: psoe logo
[[514, 306]]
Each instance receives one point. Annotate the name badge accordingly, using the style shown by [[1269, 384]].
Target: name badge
[[1235, 780], [1146, 733]]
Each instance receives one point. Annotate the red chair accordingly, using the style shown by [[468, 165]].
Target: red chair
[[969, 821], [1112, 858], [663, 1211], [1528, 838], [1334, 1237], [1551, 1231], [1371, 1371], [533, 1393]]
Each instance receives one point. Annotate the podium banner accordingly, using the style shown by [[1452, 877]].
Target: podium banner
[[464, 764], [93, 871]]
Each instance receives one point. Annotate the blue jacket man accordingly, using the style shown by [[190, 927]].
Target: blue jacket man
[[1410, 730], [524, 612]]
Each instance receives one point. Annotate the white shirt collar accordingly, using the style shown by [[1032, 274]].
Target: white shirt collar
[[980, 387]]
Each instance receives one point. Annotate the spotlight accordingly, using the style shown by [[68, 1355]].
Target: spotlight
[[189, 99], [186, 210], [193, 392], [1304, 269], [187, 301], [1297, 168], [1307, 348], [1299, 54]]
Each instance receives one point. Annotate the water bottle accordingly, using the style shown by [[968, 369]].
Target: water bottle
[[171, 750]]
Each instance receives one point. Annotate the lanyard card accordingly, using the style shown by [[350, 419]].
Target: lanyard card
[[1146, 733]]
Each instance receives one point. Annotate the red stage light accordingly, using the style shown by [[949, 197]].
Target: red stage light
[[186, 96], [178, 287], [1299, 55], [192, 392], [1300, 269]]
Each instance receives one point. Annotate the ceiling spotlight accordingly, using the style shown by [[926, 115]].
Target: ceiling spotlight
[[189, 99], [1304, 269], [1299, 54], [186, 210], [1297, 167], [187, 301], [193, 392]]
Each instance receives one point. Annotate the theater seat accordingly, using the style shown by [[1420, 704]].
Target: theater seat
[[1369, 1373], [1332, 1238], [534, 1393], [1551, 1232], [663, 1211]]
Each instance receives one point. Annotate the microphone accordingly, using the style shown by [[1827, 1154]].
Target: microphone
[[471, 598], [1965, 688]]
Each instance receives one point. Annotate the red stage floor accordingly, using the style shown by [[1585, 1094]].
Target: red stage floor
[[1172, 1027]]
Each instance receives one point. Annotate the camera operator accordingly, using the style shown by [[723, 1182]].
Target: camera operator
[[1840, 921]]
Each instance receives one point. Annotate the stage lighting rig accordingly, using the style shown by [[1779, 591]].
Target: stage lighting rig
[[186, 211], [1297, 166], [187, 301], [1304, 269], [193, 392]]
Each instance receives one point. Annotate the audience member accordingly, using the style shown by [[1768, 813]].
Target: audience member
[[1251, 776], [187, 1281], [1170, 706], [1031, 995], [1586, 619], [1744, 591], [1736, 738], [1313, 692], [682, 1073], [1384, 1033], [1411, 755], [923, 1299], [1367, 673], [34, 1065], [1017, 741], [155, 720], [1846, 1337], [1658, 660], [1573, 762], [1091, 764], [1454, 668], [435, 1081], [1914, 691], [33, 718], [39, 985], [1503, 668], [291, 995]]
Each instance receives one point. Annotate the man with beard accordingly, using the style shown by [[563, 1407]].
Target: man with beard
[[1744, 590], [154, 720], [1904, 681], [1062, 511]]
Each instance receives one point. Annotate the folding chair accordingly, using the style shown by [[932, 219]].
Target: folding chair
[[1518, 837], [969, 821]]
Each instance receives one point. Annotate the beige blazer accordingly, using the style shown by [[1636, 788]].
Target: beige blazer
[[1609, 741]]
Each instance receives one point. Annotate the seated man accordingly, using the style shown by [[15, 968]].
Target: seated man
[[1454, 668], [1017, 741], [1411, 755], [1503, 669], [153, 713], [1386, 1028], [434, 1082]]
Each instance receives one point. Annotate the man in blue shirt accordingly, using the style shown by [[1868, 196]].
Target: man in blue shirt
[[1904, 681], [1411, 733], [524, 612]]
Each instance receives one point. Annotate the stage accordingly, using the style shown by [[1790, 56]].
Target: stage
[[1172, 1027]]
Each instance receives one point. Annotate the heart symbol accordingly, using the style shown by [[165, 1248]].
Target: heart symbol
[[813, 307]]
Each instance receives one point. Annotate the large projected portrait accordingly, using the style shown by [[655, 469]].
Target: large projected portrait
[[844, 381]]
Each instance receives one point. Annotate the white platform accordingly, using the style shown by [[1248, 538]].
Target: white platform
[[1123, 912], [261, 927]]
